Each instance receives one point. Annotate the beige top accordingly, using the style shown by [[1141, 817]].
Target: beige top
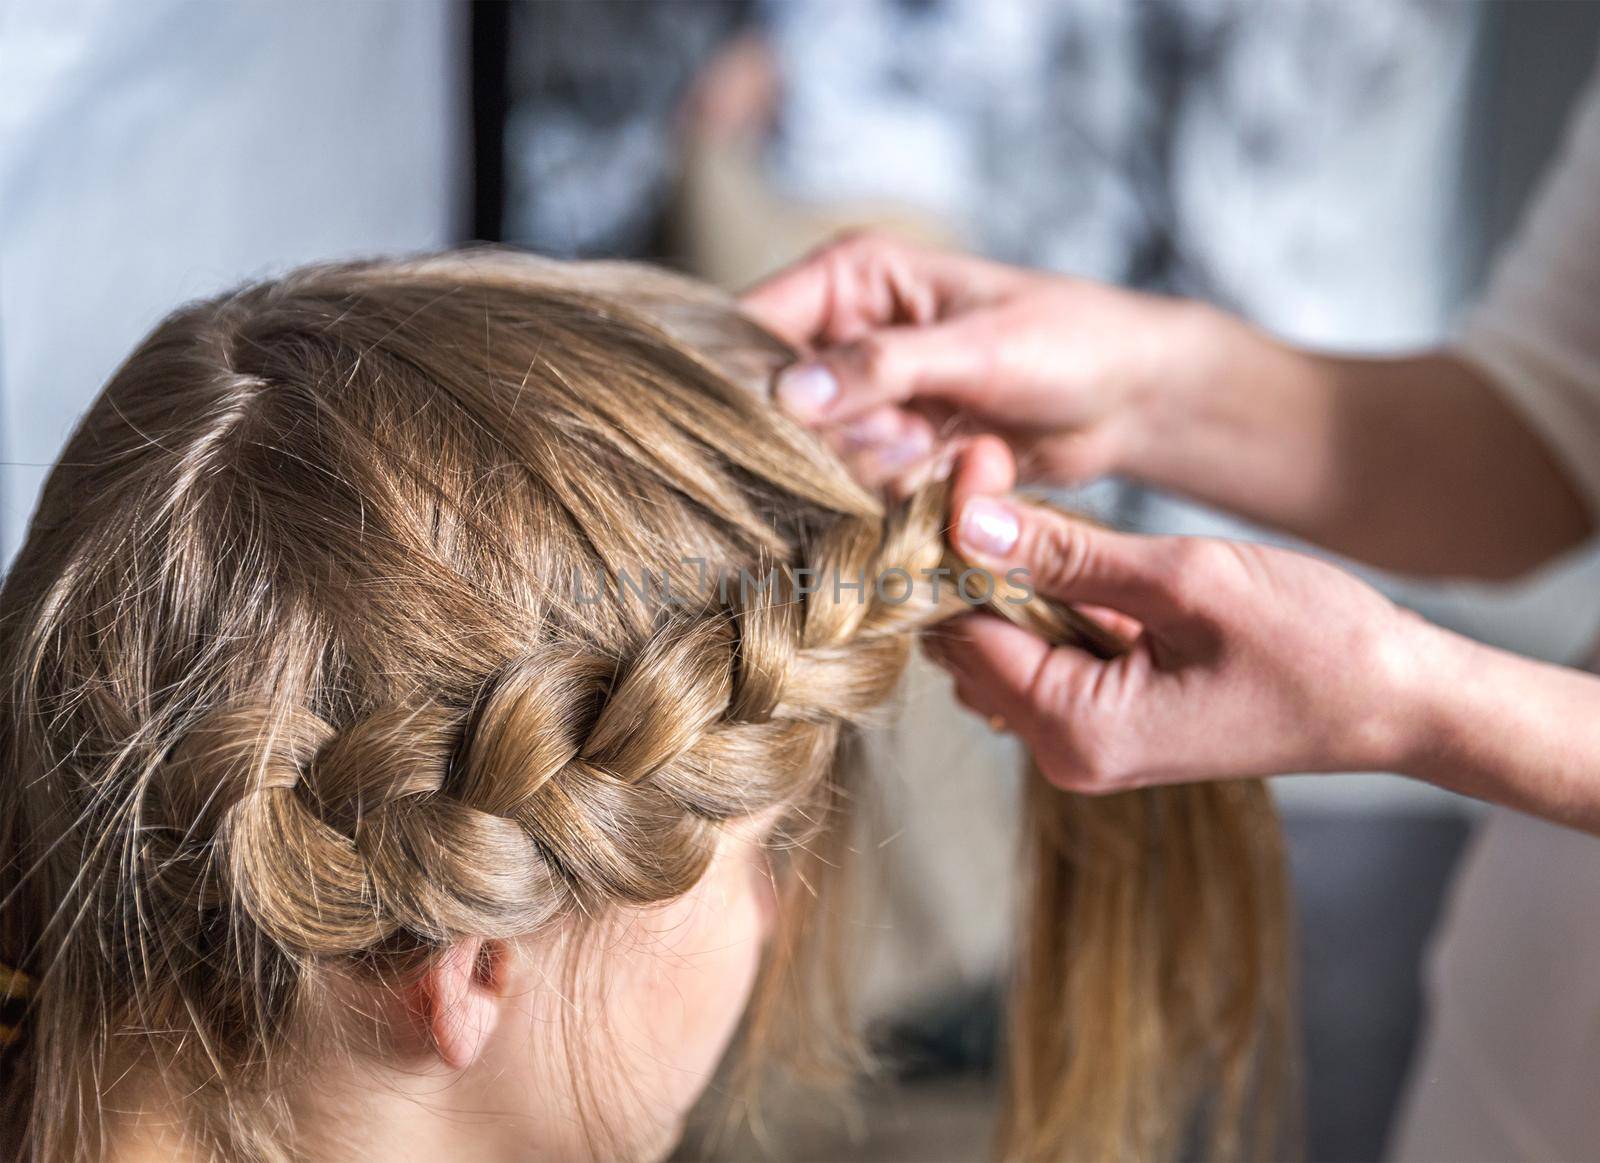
[[1510, 1066], [1537, 330]]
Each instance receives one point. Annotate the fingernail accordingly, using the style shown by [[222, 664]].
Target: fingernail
[[987, 528], [907, 450], [874, 429], [805, 390]]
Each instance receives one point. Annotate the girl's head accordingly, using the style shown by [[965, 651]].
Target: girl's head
[[405, 670], [421, 684]]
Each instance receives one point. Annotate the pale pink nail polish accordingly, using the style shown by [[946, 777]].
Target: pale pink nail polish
[[988, 528], [805, 390], [906, 450]]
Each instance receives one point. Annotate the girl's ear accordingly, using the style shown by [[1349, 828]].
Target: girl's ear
[[457, 1001]]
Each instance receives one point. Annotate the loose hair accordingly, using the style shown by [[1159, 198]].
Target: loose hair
[[302, 671]]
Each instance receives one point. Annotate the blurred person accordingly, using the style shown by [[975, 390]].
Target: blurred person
[[1475, 460]]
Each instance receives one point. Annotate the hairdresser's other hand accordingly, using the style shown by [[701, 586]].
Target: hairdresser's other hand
[[1249, 660], [911, 346]]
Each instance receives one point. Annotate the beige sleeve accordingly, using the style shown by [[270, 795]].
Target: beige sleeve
[[1536, 333]]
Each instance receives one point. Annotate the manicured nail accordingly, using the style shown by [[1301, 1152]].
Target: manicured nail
[[988, 528], [874, 429], [910, 448], [805, 390]]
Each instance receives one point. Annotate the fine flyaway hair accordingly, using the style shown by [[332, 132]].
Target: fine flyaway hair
[[304, 673]]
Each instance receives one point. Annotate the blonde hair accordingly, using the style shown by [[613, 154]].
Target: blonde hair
[[303, 668]]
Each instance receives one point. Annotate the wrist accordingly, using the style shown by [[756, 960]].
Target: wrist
[[1426, 676]]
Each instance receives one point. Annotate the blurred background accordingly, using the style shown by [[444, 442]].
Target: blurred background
[[1338, 170]]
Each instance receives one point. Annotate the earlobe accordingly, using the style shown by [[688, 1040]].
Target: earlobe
[[458, 1000]]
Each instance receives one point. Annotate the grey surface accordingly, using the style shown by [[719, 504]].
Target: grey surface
[[1368, 890]]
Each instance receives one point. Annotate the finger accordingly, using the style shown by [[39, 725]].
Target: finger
[[983, 467], [1071, 560], [796, 303], [893, 434], [1048, 697], [988, 468], [836, 292], [884, 445], [979, 684], [1002, 670], [1119, 624], [887, 366], [1067, 458], [915, 454], [864, 280], [903, 485], [907, 449]]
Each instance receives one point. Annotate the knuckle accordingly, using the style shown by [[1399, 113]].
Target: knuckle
[[1104, 754], [1188, 571], [1089, 742], [1074, 748], [861, 242], [1186, 557], [1054, 692], [873, 357], [1060, 551], [1081, 762]]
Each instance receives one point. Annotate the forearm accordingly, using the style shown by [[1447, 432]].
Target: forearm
[[1412, 464], [1519, 733]]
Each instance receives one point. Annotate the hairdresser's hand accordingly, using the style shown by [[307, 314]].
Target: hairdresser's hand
[[913, 346], [1246, 660]]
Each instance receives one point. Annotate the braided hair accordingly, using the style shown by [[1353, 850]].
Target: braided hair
[[388, 604]]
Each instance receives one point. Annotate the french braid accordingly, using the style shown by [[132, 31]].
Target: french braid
[[562, 760]]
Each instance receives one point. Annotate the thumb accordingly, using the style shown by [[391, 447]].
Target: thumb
[[890, 365], [1071, 560]]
